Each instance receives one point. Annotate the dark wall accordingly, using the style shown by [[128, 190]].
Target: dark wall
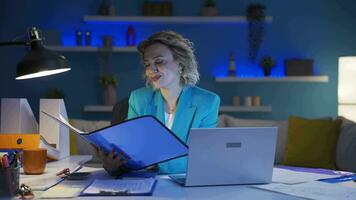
[[322, 30]]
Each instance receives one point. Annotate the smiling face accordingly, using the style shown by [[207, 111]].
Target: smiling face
[[161, 69]]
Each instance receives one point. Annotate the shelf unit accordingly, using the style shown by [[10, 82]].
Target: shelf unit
[[91, 49], [93, 19], [98, 108], [168, 19], [245, 109], [102, 108], [320, 79]]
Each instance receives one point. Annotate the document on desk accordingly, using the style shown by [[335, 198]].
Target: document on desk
[[293, 177], [144, 140], [313, 190], [120, 187]]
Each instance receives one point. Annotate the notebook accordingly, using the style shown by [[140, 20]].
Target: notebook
[[145, 140], [120, 187]]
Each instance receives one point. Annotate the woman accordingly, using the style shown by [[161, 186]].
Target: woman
[[170, 95]]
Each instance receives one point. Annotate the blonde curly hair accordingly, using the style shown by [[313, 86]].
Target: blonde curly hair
[[182, 50]]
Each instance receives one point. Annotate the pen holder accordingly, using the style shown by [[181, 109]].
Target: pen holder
[[9, 181]]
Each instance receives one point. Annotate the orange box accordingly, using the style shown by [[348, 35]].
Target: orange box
[[19, 141]]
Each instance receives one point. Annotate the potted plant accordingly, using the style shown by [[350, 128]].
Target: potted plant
[[255, 16], [209, 8], [109, 83], [267, 63]]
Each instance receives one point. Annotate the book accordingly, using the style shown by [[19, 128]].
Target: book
[[144, 140]]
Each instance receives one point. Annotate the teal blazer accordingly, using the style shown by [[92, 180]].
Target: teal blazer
[[197, 108]]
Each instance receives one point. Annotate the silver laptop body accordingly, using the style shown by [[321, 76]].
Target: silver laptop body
[[225, 156]]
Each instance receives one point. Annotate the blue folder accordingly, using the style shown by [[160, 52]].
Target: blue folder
[[145, 140]]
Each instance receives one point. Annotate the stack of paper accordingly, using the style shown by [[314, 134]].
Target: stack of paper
[[313, 190], [121, 187], [293, 177]]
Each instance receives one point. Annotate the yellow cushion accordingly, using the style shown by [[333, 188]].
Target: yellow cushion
[[312, 143], [73, 142]]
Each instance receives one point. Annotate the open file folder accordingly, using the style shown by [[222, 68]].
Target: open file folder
[[145, 140]]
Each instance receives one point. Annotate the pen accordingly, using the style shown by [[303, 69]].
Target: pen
[[5, 161], [339, 179], [15, 160]]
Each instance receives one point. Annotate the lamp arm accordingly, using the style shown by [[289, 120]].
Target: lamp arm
[[13, 43]]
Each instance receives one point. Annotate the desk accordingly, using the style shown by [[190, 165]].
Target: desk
[[166, 189]]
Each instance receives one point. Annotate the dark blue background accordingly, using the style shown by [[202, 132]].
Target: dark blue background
[[320, 29]]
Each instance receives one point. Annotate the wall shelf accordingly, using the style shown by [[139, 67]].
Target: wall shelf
[[90, 49], [103, 108], [167, 19], [245, 109], [321, 79], [98, 108]]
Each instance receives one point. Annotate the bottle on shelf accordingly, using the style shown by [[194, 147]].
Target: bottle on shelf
[[232, 67], [130, 36], [79, 38], [87, 38]]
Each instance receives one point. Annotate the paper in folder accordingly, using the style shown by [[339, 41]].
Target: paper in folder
[[144, 139]]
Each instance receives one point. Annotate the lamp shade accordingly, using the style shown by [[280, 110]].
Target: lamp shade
[[347, 87], [40, 61], [347, 81]]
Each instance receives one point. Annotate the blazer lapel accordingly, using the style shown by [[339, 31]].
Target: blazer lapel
[[156, 108], [184, 115]]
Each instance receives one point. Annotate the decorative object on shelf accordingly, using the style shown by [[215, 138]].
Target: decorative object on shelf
[[107, 79], [105, 54], [267, 63], [79, 38], [256, 29], [162, 8], [209, 8], [248, 101], [54, 93], [236, 101], [130, 36], [106, 8], [256, 101], [87, 38], [109, 83], [232, 67], [298, 67]]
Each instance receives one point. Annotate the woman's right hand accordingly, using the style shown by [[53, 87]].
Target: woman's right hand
[[112, 163]]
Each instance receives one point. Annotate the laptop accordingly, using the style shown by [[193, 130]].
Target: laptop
[[226, 156]]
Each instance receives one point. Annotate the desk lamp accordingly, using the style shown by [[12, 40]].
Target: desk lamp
[[39, 61]]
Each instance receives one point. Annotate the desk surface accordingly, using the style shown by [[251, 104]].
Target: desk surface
[[166, 189]]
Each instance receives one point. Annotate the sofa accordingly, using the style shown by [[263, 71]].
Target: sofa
[[345, 149]]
